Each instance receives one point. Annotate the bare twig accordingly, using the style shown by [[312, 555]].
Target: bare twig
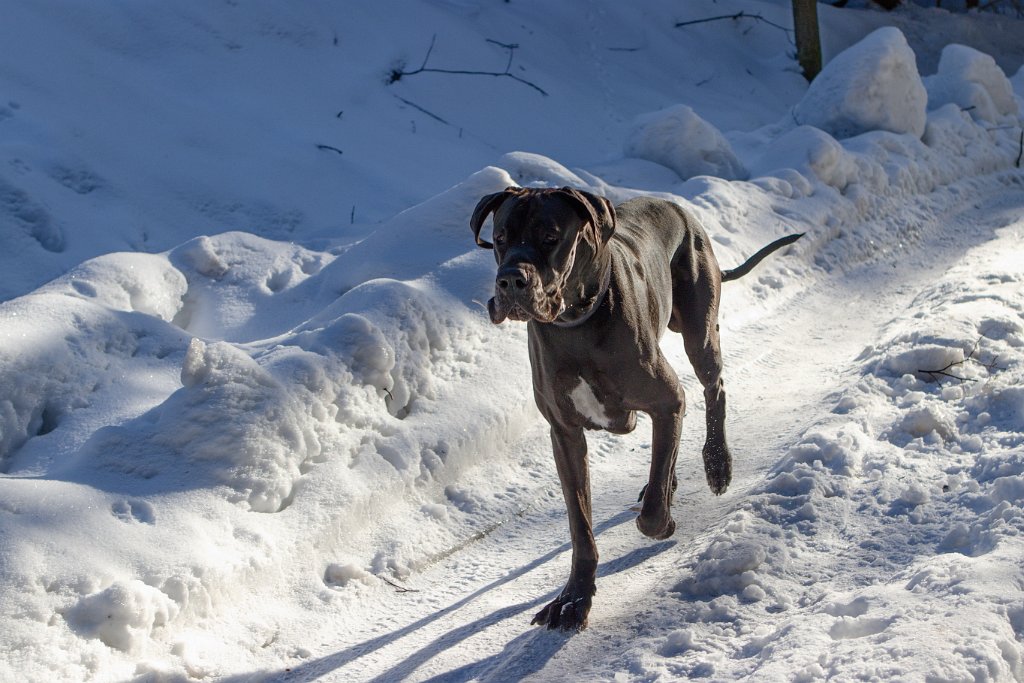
[[329, 148], [705, 20], [400, 589], [399, 73], [421, 109], [937, 375], [739, 15], [508, 46], [1021, 152], [944, 371]]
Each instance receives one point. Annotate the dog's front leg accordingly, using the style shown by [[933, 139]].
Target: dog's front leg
[[570, 609], [655, 518]]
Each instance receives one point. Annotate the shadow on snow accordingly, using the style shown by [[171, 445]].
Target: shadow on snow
[[526, 654]]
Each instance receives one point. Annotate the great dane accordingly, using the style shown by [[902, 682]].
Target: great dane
[[598, 285]]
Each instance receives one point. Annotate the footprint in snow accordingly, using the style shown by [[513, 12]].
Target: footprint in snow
[[857, 607], [129, 511], [858, 627]]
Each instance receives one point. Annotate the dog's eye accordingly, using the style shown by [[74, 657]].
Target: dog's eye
[[551, 238], [499, 238]]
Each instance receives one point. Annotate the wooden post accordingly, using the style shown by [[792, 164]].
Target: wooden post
[[808, 44]]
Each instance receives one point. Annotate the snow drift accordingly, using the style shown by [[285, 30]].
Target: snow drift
[[873, 85]]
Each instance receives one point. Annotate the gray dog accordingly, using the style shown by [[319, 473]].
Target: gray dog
[[598, 285]]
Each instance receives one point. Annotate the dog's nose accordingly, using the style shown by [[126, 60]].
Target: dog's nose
[[513, 278]]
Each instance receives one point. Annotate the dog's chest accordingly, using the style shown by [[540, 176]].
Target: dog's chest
[[588, 406]]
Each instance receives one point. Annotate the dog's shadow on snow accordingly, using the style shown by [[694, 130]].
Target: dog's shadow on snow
[[522, 656]]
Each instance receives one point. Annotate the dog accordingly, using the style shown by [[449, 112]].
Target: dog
[[598, 285]]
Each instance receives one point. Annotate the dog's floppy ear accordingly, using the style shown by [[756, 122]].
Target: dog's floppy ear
[[595, 210], [488, 204]]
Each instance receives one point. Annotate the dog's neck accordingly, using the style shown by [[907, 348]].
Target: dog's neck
[[582, 306]]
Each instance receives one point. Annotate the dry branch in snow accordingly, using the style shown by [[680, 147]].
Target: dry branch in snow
[[944, 371], [398, 73]]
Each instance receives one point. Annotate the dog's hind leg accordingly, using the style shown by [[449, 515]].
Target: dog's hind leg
[[695, 298], [706, 357]]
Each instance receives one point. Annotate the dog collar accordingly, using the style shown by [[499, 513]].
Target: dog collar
[[606, 282]]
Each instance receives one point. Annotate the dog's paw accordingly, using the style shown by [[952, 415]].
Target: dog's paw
[[717, 467], [658, 528], [567, 612]]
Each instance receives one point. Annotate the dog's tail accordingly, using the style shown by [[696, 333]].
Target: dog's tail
[[748, 265]]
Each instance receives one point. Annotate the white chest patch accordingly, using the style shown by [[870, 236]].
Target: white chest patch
[[587, 405]]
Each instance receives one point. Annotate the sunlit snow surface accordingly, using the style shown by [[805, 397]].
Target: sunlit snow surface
[[248, 395]]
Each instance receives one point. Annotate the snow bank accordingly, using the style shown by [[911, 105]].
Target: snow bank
[[973, 81], [240, 376], [678, 138], [816, 156], [872, 85], [1018, 83], [905, 503], [97, 340], [535, 169]]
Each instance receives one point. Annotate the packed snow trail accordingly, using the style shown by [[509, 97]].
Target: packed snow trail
[[467, 616]]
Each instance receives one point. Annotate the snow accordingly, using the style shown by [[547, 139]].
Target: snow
[[681, 140], [974, 81], [872, 85], [123, 615], [255, 424]]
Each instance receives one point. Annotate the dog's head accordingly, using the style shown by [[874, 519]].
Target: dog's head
[[543, 240]]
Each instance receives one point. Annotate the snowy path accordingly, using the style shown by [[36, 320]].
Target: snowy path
[[245, 385], [470, 616]]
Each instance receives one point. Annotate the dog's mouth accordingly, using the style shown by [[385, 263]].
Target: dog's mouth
[[542, 299], [499, 313], [543, 310]]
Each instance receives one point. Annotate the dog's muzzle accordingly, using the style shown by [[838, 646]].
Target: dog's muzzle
[[519, 294]]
